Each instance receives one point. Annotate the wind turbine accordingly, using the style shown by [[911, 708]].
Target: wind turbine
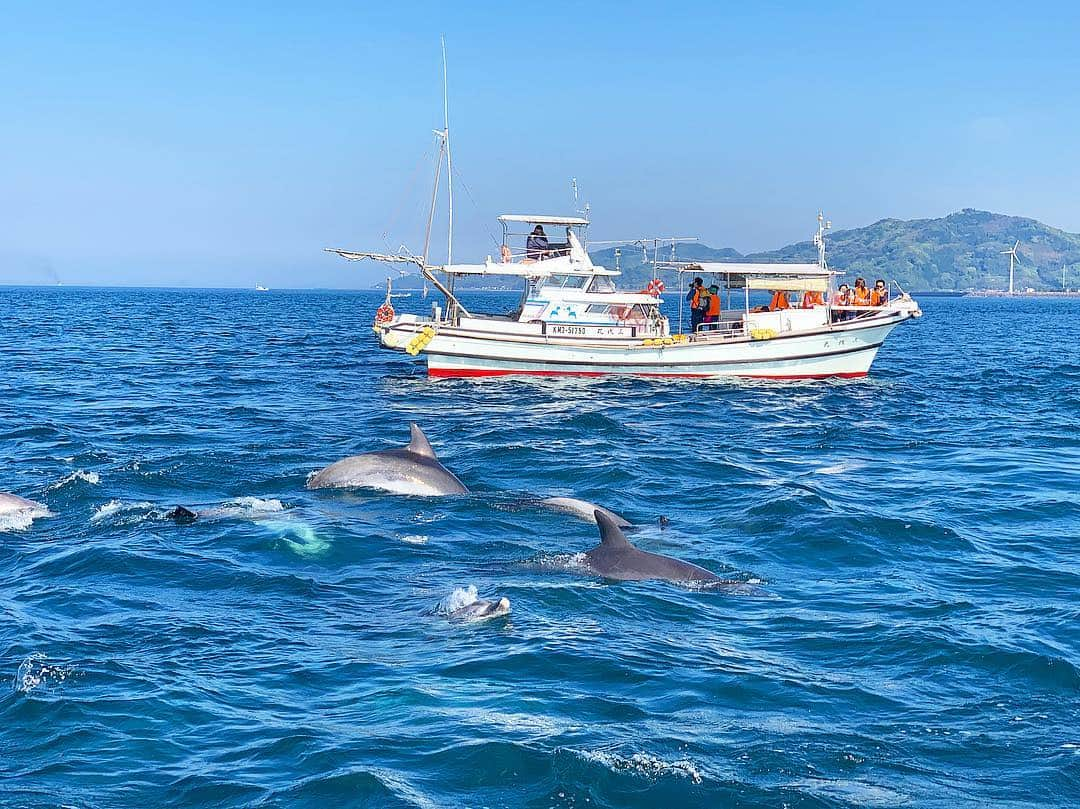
[[1013, 259]]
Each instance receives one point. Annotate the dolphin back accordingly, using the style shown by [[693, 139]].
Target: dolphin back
[[583, 509], [411, 470], [616, 558]]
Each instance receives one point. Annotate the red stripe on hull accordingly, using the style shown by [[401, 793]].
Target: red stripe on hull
[[462, 373]]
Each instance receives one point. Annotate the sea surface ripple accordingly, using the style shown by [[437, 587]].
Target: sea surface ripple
[[908, 635]]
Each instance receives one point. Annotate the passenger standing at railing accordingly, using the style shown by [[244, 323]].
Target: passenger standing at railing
[[779, 301], [712, 314], [694, 298], [860, 296], [842, 298], [879, 295], [536, 246]]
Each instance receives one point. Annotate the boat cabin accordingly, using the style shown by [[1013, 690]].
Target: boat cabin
[[564, 293]]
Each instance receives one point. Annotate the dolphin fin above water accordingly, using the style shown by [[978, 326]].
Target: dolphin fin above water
[[414, 469], [615, 558], [418, 442]]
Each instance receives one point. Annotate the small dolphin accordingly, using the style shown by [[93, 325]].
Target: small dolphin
[[481, 610], [412, 470], [182, 516], [583, 509], [615, 558]]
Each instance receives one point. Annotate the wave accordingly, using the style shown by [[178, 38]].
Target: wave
[[93, 478], [645, 765], [120, 513], [244, 508]]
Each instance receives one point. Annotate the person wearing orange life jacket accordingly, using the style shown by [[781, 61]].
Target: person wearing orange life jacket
[[860, 295], [879, 295], [779, 301], [810, 299], [842, 297], [695, 298], [712, 313]]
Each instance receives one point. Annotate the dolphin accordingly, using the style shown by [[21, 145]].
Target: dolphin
[[412, 470], [583, 509], [481, 610], [12, 503], [615, 558], [182, 516]]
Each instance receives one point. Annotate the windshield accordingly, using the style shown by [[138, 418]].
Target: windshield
[[567, 281], [601, 283]]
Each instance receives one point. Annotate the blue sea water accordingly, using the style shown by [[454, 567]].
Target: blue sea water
[[908, 634]]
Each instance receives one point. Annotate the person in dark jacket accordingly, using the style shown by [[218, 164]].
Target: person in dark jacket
[[536, 246], [698, 306]]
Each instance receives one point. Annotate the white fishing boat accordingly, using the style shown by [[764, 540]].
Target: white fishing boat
[[573, 320], [261, 288]]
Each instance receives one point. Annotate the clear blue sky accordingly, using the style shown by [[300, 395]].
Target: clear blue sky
[[220, 144]]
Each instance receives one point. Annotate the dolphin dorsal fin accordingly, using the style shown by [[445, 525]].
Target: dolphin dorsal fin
[[419, 443], [611, 536]]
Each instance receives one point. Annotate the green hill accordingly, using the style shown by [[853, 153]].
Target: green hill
[[956, 252]]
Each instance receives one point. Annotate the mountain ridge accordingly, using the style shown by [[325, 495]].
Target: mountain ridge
[[959, 251]]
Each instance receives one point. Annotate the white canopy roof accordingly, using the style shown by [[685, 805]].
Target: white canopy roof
[[741, 268], [543, 220], [538, 269]]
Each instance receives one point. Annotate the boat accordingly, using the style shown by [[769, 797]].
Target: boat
[[573, 320], [261, 288]]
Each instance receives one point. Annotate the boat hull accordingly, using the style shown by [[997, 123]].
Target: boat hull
[[845, 351]]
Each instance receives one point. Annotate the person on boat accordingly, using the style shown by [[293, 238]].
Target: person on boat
[[810, 299], [779, 301], [712, 311], [860, 296], [842, 298], [694, 298], [879, 295], [536, 246]]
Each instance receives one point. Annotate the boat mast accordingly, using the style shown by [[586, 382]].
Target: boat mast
[[449, 165], [434, 194]]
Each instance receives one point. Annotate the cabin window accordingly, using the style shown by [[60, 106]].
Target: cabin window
[[601, 283], [567, 281], [598, 309]]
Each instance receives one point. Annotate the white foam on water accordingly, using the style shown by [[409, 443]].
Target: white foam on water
[[16, 520], [36, 672], [93, 478], [461, 597], [563, 561], [123, 512], [415, 539], [244, 508], [643, 764]]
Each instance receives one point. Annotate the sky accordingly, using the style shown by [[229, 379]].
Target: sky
[[224, 144]]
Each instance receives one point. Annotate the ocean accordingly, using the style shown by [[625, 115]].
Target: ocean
[[907, 634]]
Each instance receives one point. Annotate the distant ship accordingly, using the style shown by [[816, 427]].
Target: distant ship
[[261, 288]]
